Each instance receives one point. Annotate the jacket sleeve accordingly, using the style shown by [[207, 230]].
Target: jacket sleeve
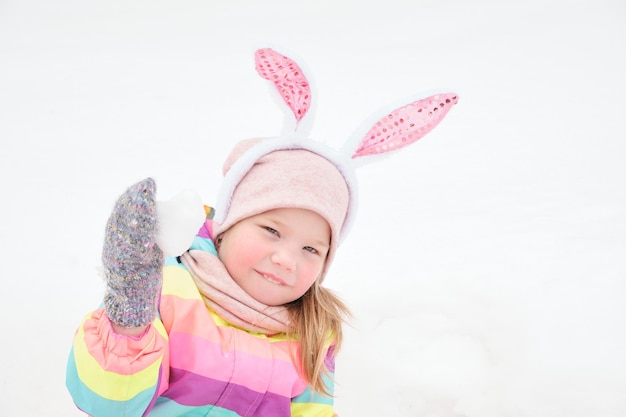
[[112, 375], [312, 404], [109, 374]]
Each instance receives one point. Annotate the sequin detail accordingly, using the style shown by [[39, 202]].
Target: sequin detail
[[288, 79], [406, 124]]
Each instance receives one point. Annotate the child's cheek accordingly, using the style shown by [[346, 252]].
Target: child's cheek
[[310, 273], [251, 252]]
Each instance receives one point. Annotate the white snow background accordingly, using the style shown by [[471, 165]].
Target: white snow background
[[486, 269]]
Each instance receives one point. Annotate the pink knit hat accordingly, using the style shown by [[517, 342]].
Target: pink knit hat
[[292, 171]]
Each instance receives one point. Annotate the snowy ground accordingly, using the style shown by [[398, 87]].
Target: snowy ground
[[487, 267]]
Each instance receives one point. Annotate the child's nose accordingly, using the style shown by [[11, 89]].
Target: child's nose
[[284, 257]]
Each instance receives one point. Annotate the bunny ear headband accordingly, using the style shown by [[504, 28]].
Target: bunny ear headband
[[392, 131]]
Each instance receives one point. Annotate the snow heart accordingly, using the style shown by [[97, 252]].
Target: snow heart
[[179, 219]]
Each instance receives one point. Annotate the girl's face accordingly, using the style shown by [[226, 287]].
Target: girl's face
[[277, 255]]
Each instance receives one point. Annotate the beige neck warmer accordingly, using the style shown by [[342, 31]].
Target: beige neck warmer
[[222, 294]]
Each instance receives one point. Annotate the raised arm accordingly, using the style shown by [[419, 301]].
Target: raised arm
[[118, 362]]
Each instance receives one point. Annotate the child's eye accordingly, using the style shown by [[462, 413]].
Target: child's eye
[[310, 249], [271, 230]]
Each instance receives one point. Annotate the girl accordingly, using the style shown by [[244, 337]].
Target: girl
[[239, 324]]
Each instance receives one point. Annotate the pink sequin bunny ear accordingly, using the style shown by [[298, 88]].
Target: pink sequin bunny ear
[[288, 78], [405, 125], [401, 127]]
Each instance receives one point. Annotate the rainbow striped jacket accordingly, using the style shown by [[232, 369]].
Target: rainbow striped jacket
[[189, 362]]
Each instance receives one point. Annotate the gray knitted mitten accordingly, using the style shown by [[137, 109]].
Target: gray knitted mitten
[[133, 262]]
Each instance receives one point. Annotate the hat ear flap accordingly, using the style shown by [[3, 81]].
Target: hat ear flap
[[288, 78], [405, 125]]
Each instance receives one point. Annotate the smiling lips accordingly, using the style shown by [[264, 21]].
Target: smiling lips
[[272, 278]]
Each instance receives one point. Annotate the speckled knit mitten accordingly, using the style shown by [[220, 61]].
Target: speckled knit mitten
[[132, 261]]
